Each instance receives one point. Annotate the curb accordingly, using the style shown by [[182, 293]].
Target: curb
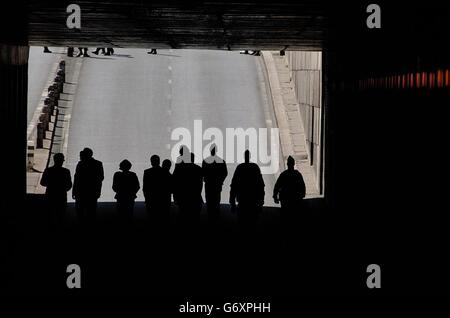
[[48, 131], [278, 105]]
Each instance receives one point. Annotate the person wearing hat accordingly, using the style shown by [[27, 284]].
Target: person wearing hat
[[125, 185]]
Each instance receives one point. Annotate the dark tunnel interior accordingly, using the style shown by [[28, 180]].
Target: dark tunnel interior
[[384, 95]]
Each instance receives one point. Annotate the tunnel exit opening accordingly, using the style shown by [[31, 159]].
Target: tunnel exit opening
[[129, 104], [306, 76]]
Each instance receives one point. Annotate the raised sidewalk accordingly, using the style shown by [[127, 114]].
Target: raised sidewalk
[[287, 114]]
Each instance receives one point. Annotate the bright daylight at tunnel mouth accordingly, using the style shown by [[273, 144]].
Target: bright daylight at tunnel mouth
[[133, 104]]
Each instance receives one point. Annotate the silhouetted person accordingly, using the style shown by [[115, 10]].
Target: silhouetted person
[[166, 164], [214, 171], [87, 185], [125, 185], [289, 190], [70, 51], [46, 50], [57, 181], [247, 187], [104, 51], [83, 51], [109, 51], [188, 185], [152, 51], [157, 188], [184, 157]]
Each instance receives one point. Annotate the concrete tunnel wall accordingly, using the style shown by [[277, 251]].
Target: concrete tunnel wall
[[306, 73]]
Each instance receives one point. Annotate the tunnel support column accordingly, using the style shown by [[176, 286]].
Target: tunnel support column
[[13, 120]]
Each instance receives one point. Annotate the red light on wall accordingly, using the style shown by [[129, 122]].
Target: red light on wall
[[440, 78], [424, 79], [432, 80], [437, 79]]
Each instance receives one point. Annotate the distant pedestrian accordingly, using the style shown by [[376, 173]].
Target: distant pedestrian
[[58, 182], [83, 51], [125, 185], [87, 186], [166, 164], [184, 157]]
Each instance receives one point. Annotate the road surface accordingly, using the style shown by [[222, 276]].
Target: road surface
[[127, 105]]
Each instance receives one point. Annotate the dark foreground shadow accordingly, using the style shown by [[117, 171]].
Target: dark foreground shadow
[[175, 259]]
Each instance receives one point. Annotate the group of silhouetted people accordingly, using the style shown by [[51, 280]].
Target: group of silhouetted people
[[185, 185], [83, 51]]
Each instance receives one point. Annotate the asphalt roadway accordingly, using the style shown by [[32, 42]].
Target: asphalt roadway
[[127, 105]]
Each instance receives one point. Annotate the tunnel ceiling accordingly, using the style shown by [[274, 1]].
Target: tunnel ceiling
[[181, 24]]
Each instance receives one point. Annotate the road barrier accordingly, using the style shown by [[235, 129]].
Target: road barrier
[[47, 120], [30, 155]]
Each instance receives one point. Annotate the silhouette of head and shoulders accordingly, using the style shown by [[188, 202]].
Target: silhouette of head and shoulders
[[290, 183], [247, 167], [184, 156], [213, 159], [87, 160], [89, 175], [57, 178], [125, 182], [125, 168], [185, 163], [155, 163], [291, 171], [214, 168]]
